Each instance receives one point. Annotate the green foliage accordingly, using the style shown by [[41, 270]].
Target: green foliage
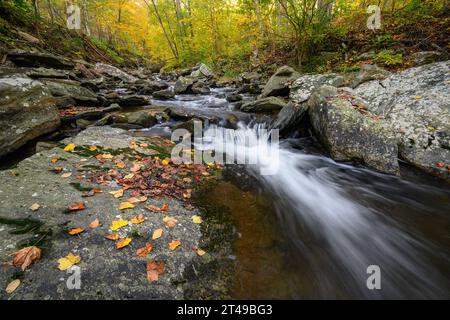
[[388, 58]]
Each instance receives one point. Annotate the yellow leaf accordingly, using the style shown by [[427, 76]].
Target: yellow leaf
[[68, 261], [126, 205], [174, 244], [200, 252], [197, 219], [129, 176], [93, 148], [107, 156], [418, 97], [123, 243], [66, 175], [120, 165], [157, 234], [117, 193], [117, 224], [139, 219], [12, 286], [70, 147], [165, 162]]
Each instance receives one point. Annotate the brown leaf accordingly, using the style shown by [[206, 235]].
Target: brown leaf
[[35, 207], [12, 286], [123, 243], [155, 269], [139, 219], [144, 251], [76, 206], [157, 234], [26, 256], [112, 236], [170, 222]]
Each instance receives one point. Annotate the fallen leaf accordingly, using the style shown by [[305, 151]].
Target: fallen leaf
[[68, 261], [58, 169], [76, 231], [26, 256], [129, 176], [112, 236], [76, 206], [107, 156], [120, 165], [93, 148], [157, 234], [117, 224], [200, 252], [197, 219], [54, 160], [117, 194], [135, 168], [12, 286], [440, 164], [170, 222], [126, 205], [139, 219], [144, 251], [418, 97], [70, 147], [174, 244], [137, 200], [165, 162], [123, 243], [94, 224], [66, 175], [155, 269], [35, 207], [164, 207]]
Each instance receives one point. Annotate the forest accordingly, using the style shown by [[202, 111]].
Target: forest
[[224, 150]]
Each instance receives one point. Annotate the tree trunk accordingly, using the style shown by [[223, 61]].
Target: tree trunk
[[258, 15]]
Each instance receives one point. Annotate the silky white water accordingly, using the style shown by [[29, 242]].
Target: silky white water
[[313, 195]]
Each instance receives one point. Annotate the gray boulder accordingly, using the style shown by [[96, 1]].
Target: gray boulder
[[164, 94], [369, 72], [183, 85], [302, 88], [415, 104], [349, 134], [114, 72], [72, 89], [278, 84], [27, 111], [202, 70], [289, 117], [38, 59], [268, 104], [133, 101]]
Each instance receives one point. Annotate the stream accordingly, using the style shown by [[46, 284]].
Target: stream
[[322, 223]]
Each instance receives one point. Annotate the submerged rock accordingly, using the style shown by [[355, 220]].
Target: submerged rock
[[278, 84], [27, 111], [349, 134], [268, 104]]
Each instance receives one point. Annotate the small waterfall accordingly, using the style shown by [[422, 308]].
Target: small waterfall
[[312, 196]]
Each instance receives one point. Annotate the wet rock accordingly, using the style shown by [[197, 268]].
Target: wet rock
[[141, 118], [45, 145], [425, 57], [234, 97], [64, 102], [38, 59], [183, 85], [72, 89], [289, 117], [350, 135], [147, 87], [164, 94], [114, 72], [415, 104], [200, 88], [251, 88], [83, 123], [112, 108], [278, 84], [268, 104], [188, 125], [302, 88], [27, 111], [249, 77], [369, 72], [133, 101]]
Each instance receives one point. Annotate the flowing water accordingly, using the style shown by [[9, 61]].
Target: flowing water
[[333, 221]]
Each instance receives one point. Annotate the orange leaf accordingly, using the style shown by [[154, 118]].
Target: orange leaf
[[55, 160], [155, 269], [170, 222], [26, 256], [142, 252], [157, 234], [139, 219], [112, 236], [174, 244], [76, 206], [76, 231], [94, 224], [123, 243]]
